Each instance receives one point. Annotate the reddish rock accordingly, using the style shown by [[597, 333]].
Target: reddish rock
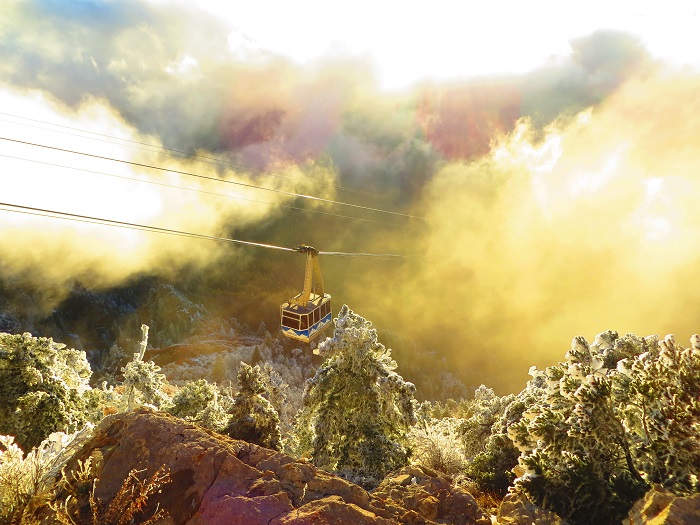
[[516, 509], [660, 507], [332, 510], [241, 510], [429, 497], [215, 480]]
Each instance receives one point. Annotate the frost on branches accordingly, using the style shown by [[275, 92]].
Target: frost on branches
[[253, 418], [199, 402], [41, 388], [24, 476], [143, 382], [619, 414], [357, 410]]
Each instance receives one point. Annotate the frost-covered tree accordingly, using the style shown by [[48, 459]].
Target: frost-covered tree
[[199, 401], [253, 418], [42, 387], [660, 389], [617, 415], [357, 410], [143, 382], [486, 409]]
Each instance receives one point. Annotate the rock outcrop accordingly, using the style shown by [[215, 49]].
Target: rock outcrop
[[215, 480], [516, 509], [425, 494], [660, 507]]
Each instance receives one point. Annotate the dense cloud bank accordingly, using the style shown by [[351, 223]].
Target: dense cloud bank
[[556, 202]]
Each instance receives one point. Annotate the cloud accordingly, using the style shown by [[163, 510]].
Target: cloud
[[558, 202], [591, 225], [218, 201]]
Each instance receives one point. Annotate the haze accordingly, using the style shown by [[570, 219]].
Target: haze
[[552, 155]]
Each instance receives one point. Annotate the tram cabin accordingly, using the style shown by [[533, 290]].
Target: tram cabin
[[306, 323]]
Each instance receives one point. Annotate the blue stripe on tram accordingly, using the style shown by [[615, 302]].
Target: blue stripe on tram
[[310, 331]]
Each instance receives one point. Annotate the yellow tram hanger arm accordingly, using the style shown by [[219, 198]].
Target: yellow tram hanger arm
[[312, 273]]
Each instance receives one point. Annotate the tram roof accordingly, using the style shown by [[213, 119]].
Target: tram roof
[[315, 301]]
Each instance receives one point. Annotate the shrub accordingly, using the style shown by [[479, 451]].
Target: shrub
[[437, 444], [41, 388], [24, 476], [198, 401], [619, 414]]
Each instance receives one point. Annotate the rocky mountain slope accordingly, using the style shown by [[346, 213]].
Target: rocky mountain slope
[[215, 480]]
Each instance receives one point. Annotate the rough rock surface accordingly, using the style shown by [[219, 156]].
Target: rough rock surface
[[423, 494], [660, 507], [215, 480], [516, 509]]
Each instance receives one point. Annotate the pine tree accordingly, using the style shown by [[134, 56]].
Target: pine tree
[[357, 411], [253, 418], [199, 402], [42, 387], [143, 384], [618, 415]]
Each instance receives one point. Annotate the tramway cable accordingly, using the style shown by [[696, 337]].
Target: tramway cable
[[142, 165], [175, 186], [175, 152], [55, 214], [303, 317]]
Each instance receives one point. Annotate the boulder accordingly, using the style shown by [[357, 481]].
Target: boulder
[[216, 480], [427, 496], [516, 509], [660, 507]]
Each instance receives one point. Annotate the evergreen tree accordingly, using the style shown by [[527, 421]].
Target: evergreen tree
[[253, 418], [143, 384], [42, 387], [357, 411], [619, 414], [199, 402]]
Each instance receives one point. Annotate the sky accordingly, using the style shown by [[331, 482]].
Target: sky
[[444, 40], [549, 152]]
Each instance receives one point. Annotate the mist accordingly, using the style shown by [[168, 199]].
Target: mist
[[588, 225], [554, 203]]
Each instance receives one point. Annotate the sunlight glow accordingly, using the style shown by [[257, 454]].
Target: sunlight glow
[[445, 40]]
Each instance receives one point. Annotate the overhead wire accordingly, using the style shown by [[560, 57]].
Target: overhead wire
[[175, 152], [55, 214], [238, 183], [29, 210], [175, 186]]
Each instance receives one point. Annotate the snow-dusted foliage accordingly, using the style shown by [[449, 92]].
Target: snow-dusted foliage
[[23, 476], [473, 443], [486, 409], [660, 389], [436, 443], [617, 415], [285, 374], [143, 384], [253, 418], [357, 410], [200, 402], [42, 387]]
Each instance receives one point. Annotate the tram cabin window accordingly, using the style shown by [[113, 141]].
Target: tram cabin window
[[290, 322], [317, 314], [325, 308], [304, 322]]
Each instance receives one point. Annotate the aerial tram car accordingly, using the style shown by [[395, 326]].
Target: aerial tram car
[[305, 315]]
